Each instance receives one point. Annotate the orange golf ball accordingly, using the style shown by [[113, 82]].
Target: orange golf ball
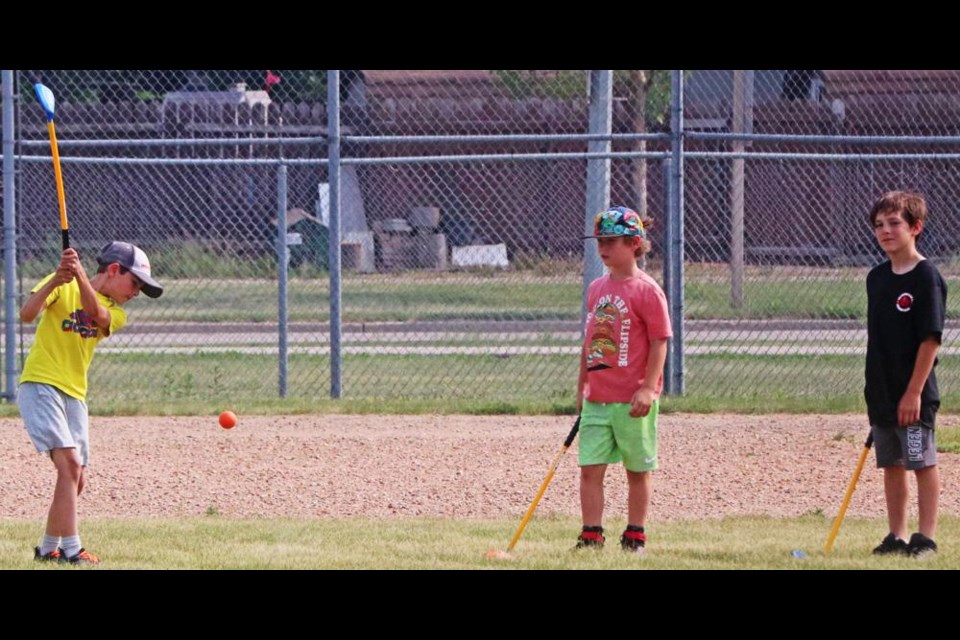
[[228, 419]]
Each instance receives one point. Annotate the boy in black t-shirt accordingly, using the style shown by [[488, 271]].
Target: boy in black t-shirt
[[906, 305]]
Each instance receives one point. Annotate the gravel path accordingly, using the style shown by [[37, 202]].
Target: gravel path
[[447, 466]]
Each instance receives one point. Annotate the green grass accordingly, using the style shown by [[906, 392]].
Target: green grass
[[948, 439], [385, 298], [212, 284], [202, 382], [806, 299], [783, 299], [376, 298], [826, 378], [792, 384], [530, 295], [239, 378], [473, 383], [215, 542], [205, 383]]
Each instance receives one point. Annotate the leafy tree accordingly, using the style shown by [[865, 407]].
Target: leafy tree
[[648, 105], [646, 94]]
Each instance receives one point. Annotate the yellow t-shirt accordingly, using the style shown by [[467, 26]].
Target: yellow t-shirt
[[65, 339]]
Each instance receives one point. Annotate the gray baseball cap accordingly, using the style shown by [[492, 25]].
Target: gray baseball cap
[[133, 259]]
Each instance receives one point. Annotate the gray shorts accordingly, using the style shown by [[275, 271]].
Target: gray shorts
[[913, 447], [54, 420]]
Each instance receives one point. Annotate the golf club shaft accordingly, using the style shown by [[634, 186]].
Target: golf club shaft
[[828, 547], [546, 482], [61, 199], [536, 500]]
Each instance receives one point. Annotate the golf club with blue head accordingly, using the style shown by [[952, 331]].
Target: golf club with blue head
[[47, 101]]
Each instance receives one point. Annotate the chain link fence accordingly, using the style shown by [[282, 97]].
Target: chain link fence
[[781, 170], [463, 197]]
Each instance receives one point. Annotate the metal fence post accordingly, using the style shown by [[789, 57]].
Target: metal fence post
[[333, 245], [741, 108], [282, 260], [668, 284], [675, 250], [9, 243], [598, 173]]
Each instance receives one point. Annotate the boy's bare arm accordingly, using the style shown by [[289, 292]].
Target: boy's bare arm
[[582, 378], [88, 295], [908, 411], [37, 301], [644, 396]]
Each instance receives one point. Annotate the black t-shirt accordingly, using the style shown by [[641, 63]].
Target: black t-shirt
[[903, 310]]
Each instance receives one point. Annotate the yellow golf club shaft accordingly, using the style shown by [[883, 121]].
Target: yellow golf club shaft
[[61, 198], [828, 547]]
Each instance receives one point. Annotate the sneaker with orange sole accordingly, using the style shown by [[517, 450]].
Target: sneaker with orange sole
[[53, 556], [83, 557]]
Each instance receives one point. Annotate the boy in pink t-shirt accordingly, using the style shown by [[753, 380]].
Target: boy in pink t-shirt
[[621, 376]]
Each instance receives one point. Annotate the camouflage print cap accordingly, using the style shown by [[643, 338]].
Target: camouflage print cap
[[617, 221]]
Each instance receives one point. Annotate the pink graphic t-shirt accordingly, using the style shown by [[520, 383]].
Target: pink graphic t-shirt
[[623, 316]]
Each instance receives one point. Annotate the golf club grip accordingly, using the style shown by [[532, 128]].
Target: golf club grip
[[572, 434]]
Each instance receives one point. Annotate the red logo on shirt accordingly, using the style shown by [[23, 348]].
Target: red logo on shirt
[[81, 324], [904, 302]]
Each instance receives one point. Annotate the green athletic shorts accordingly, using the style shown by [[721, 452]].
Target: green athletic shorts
[[609, 434]]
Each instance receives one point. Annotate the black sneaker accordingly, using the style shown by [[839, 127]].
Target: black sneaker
[[591, 538], [53, 556], [891, 546], [83, 557], [633, 541], [920, 545]]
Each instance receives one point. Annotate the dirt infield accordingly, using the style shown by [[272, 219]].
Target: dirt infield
[[326, 466]]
